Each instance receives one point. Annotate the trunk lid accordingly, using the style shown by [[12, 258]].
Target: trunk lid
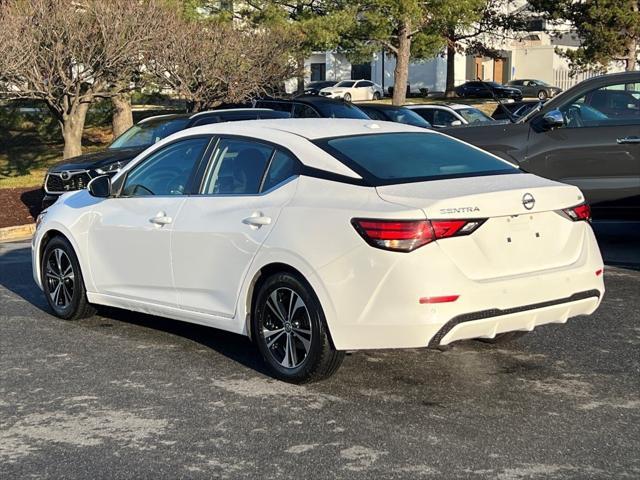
[[515, 239]]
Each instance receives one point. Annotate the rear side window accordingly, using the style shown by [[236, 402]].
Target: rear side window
[[389, 158], [237, 167], [282, 167]]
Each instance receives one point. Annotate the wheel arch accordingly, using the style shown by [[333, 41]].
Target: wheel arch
[[45, 238], [268, 269]]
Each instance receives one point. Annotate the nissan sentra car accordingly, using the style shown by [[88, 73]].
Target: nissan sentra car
[[314, 237]]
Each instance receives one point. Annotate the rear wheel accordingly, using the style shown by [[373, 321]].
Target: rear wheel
[[289, 328], [504, 337], [542, 95], [62, 281], [347, 97]]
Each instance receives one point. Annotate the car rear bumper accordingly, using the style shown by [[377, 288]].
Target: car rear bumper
[[375, 298]]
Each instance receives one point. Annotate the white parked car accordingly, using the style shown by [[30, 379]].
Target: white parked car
[[352, 90], [442, 115], [318, 236]]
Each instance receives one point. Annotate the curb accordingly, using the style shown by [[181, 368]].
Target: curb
[[18, 232]]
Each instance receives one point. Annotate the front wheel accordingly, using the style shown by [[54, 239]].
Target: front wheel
[[347, 97], [542, 95], [62, 281], [289, 328], [376, 95]]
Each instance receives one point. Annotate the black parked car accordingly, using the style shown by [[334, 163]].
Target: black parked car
[[392, 113], [311, 106], [535, 88], [313, 88], [75, 173], [516, 109], [589, 137], [477, 89]]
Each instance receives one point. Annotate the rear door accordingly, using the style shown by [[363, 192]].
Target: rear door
[[219, 230], [596, 151]]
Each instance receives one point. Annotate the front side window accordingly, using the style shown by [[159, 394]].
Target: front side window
[[166, 171], [408, 117], [389, 158], [612, 105], [236, 167], [443, 118], [300, 110], [346, 84]]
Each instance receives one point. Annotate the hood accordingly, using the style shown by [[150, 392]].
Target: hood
[[95, 160]]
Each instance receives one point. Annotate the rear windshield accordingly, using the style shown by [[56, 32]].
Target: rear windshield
[[340, 110], [388, 158]]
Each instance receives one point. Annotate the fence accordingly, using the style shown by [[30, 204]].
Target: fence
[[562, 79]]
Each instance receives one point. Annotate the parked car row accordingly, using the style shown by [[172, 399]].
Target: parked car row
[[567, 138]]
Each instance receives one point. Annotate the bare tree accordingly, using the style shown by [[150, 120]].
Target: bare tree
[[67, 54], [209, 63]]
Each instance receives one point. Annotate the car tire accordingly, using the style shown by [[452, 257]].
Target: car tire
[[542, 95], [288, 323], [347, 97], [62, 281], [376, 95], [505, 337]]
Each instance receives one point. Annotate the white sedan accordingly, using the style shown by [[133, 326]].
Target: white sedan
[[352, 90], [318, 236]]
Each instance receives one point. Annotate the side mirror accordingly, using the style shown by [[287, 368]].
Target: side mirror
[[553, 119], [100, 187], [456, 123]]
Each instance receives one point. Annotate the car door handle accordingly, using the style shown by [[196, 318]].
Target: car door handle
[[161, 219], [631, 139], [257, 220]]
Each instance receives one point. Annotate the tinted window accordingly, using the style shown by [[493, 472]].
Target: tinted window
[[167, 171], [443, 118], [426, 113], [148, 133], [236, 167], [300, 110], [404, 157], [373, 113], [346, 84], [282, 167], [365, 84], [607, 106], [406, 116], [280, 106], [340, 110]]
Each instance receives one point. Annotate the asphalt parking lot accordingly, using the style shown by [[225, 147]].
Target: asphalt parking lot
[[125, 395]]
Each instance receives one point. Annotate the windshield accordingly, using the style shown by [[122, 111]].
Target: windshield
[[148, 133], [404, 115], [388, 158], [340, 110], [345, 83], [473, 115]]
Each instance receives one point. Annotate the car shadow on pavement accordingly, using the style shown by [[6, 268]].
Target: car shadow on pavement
[[233, 346], [16, 276]]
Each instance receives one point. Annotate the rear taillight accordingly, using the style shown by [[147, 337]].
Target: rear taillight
[[407, 235], [579, 212]]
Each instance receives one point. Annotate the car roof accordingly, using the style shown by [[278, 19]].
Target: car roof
[[296, 134], [452, 106], [174, 116]]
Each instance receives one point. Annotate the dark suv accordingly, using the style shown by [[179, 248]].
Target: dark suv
[[312, 106], [75, 173], [588, 136]]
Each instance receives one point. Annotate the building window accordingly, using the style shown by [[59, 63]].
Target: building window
[[318, 72], [361, 71]]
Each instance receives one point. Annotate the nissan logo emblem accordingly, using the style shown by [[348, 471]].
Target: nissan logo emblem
[[528, 201]]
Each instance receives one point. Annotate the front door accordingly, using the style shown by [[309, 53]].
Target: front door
[[130, 237], [219, 231], [598, 150]]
